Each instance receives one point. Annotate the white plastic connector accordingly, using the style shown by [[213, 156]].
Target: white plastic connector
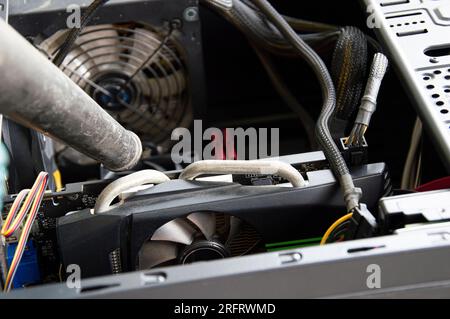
[[369, 100]]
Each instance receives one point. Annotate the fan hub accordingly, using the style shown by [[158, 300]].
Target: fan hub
[[121, 92], [203, 250]]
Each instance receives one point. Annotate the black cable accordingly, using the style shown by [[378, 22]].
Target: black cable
[[338, 164], [287, 96], [300, 24], [75, 32], [254, 24], [349, 70], [376, 46], [309, 26]]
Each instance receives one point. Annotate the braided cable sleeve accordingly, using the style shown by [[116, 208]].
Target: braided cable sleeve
[[75, 32], [255, 26], [299, 24], [349, 70], [351, 194]]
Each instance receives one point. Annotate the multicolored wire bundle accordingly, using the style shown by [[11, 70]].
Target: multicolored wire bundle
[[26, 203]]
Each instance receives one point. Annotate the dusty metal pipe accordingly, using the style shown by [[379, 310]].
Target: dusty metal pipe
[[38, 95]]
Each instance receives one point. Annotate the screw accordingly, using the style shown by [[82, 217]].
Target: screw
[[176, 24], [191, 14], [154, 279], [290, 258]]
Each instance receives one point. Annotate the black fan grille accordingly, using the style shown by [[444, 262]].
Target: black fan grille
[[245, 242]]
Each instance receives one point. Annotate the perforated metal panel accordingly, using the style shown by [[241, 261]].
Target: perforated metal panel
[[417, 34]]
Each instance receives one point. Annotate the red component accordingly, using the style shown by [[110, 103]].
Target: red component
[[220, 155], [226, 153], [442, 183], [231, 153]]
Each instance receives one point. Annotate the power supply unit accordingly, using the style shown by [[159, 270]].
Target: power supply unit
[[168, 93]]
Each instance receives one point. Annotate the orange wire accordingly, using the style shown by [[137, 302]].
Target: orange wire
[[41, 184], [13, 210], [7, 231]]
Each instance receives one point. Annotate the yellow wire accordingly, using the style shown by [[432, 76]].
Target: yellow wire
[[36, 197], [58, 180], [334, 226]]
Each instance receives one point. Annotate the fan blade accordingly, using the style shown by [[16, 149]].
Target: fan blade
[[205, 222], [144, 44], [170, 85], [78, 66], [154, 253], [103, 46], [235, 228], [177, 231]]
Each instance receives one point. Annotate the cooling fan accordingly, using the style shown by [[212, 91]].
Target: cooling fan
[[135, 72], [198, 237]]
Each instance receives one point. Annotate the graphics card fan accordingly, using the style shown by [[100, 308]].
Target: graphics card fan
[[198, 237]]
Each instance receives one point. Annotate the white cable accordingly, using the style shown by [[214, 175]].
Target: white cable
[[418, 177], [125, 183], [244, 167], [409, 174], [369, 100]]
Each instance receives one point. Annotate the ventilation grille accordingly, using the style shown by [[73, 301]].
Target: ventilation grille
[[437, 83], [245, 242], [408, 24], [415, 32]]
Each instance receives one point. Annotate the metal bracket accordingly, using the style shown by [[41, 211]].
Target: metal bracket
[[415, 32]]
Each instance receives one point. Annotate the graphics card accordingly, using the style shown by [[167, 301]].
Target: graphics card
[[181, 222]]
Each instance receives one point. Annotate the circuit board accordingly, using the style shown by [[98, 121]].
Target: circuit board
[[54, 205]]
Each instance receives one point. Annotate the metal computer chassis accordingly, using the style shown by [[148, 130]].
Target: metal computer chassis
[[417, 36], [410, 264]]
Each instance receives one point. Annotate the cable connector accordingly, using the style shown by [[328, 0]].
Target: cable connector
[[352, 194], [369, 101], [363, 224], [354, 155]]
